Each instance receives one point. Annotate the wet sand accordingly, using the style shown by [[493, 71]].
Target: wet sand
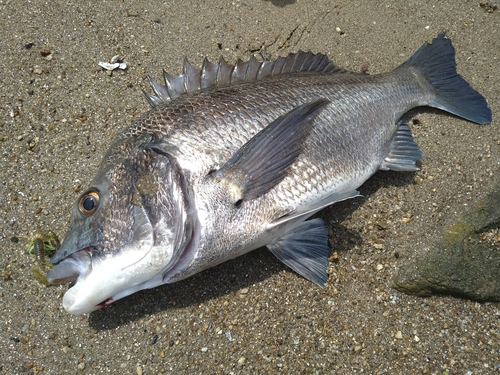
[[60, 111]]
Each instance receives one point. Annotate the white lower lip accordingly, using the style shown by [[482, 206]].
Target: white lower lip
[[112, 278], [95, 289]]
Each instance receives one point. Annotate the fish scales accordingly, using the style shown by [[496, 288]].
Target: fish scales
[[206, 127], [235, 158], [203, 128], [291, 191]]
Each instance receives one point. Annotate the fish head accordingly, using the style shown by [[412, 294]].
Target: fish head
[[127, 230]]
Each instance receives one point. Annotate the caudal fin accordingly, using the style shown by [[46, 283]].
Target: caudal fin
[[436, 62]]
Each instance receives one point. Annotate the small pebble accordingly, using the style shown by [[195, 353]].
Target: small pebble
[[45, 52], [241, 361], [204, 349], [398, 335], [243, 293]]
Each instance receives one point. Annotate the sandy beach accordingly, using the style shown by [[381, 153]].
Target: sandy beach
[[59, 112]]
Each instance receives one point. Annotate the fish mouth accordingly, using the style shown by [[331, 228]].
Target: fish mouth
[[75, 268], [70, 268], [98, 282]]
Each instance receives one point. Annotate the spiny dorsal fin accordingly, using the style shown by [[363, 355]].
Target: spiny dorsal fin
[[222, 74]]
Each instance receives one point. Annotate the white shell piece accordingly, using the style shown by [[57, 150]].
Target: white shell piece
[[112, 66], [108, 66]]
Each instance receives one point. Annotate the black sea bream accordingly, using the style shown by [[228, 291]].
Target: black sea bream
[[233, 158]]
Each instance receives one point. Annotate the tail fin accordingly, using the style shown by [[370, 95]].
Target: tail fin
[[436, 62]]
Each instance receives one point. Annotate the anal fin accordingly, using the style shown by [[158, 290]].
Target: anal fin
[[305, 250], [403, 151]]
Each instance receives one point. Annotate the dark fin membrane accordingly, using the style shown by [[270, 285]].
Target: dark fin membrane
[[305, 250], [436, 62], [223, 74], [403, 151], [262, 162]]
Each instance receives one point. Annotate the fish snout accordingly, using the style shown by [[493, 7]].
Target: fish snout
[[71, 267]]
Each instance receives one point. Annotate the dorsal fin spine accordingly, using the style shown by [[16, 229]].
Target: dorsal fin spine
[[174, 84], [223, 73], [253, 69], [191, 77], [160, 90], [209, 73], [289, 63]]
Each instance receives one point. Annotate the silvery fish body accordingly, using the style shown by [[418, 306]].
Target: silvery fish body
[[233, 158]]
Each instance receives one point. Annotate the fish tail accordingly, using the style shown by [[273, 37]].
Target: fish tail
[[436, 62]]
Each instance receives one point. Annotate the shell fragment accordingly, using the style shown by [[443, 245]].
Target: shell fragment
[[113, 64]]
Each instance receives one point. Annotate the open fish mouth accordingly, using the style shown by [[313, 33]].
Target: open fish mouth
[[71, 267], [99, 282], [77, 268]]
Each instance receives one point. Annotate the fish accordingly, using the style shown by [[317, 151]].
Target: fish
[[231, 158]]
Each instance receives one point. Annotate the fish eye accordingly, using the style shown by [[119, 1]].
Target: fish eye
[[88, 202]]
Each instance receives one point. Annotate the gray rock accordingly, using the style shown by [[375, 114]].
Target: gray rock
[[464, 261]]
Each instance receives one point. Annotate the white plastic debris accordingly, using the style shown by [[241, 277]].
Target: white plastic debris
[[113, 64]]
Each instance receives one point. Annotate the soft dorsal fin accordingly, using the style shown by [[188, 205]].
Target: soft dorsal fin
[[222, 74]]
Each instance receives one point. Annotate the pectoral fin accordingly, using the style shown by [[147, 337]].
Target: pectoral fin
[[263, 161], [305, 250]]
